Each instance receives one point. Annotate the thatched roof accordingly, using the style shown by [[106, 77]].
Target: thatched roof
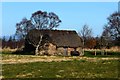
[[61, 38]]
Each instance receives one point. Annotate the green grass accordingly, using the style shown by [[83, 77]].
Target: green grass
[[76, 68], [64, 69], [98, 54]]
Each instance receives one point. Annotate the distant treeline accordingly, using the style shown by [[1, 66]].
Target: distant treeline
[[12, 43]]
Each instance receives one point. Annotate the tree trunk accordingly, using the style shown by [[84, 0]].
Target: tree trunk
[[102, 52], [37, 48], [106, 52], [83, 46], [95, 52]]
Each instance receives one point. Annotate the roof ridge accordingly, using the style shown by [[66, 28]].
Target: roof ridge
[[57, 30]]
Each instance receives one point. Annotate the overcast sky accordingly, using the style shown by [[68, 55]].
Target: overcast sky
[[73, 14]]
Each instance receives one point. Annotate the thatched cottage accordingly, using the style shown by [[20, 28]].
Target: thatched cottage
[[53, 42]]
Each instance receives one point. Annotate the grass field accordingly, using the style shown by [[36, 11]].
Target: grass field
[[63, 69], [30, 66]]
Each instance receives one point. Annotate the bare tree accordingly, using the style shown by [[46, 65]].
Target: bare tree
[[106, 37], [23, 27], [85, 33], [114, 24], [114, 27], [39, 20], [44, 20]]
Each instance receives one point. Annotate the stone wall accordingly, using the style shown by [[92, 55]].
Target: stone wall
[[61, 50], [51, 49]]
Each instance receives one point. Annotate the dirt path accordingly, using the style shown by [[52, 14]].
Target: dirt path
[[21, 59]]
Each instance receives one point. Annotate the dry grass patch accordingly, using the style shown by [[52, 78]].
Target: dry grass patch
[[14, 59]]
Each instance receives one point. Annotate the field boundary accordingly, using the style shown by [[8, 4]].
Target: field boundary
[[50, 59]]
